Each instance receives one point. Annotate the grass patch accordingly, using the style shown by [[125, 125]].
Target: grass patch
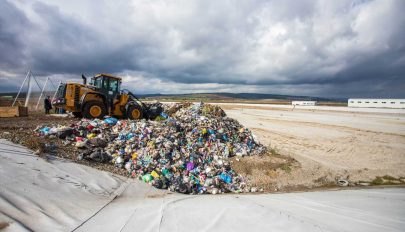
[[386, 180], [286, 168], [273, 152], [387, 177], [378, 181]]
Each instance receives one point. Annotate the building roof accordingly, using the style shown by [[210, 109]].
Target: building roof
[[376, 99]]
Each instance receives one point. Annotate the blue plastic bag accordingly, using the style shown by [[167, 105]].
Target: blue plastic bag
[[45, 130], [111, 121], [164, 115], [226, 178], [130, 135]]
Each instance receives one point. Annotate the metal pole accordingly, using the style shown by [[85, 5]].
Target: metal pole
[[40, 96], [50, 80], [22, 85], [35, 79], [27, 99], [56, 91]]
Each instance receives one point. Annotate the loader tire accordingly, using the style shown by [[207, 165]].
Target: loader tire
[[134, 112], [94, 109]]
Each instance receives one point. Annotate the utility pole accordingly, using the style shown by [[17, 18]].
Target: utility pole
[[40, 96], [56, 91], [27, 98], [22, 85]]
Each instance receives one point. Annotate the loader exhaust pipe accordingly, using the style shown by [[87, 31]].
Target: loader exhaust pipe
[[84, 79]]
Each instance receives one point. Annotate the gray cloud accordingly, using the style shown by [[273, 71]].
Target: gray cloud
[[13, 24], [339, 48]]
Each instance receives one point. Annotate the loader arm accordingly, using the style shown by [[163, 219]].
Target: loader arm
[[135, 98]]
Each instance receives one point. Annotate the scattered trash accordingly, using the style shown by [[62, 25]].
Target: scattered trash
[[362, 183], [185, 149], [48, 148], [62, 134], [154, 110], [343, 183]]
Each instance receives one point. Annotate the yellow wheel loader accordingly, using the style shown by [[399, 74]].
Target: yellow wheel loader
[[101, 97]]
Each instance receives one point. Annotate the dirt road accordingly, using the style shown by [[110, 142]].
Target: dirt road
[[329, 144]]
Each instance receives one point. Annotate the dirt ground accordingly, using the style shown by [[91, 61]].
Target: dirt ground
[[364, 148]]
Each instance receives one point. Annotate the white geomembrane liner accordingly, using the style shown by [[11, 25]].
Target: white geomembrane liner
[[58, 195]]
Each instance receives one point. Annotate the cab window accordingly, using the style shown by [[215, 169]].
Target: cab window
[[113, 85], [98, 82], [105, 83]]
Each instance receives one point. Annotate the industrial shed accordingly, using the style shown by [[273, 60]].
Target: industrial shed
[[376, 103], [303, 103]]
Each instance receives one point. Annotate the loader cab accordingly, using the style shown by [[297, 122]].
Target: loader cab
[[107, 84]]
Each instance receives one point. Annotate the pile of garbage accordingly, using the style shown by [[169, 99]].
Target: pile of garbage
[[186, 149]]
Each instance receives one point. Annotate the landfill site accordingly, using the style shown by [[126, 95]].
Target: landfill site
[[211, 160], [179, 116]]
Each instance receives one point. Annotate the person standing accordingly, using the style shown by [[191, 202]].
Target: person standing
[[47, 104]]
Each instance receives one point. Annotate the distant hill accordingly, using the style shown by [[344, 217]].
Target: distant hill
[[221, 97], [23, 94], [235, 96]]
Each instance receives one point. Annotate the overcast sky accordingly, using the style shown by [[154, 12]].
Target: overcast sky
[[317, 48]]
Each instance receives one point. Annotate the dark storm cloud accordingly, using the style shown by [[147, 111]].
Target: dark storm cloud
[[71, 46], [13, 24], [334, 48]]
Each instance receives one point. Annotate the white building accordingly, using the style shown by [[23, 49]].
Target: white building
[[376, 103], [303, 103]]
